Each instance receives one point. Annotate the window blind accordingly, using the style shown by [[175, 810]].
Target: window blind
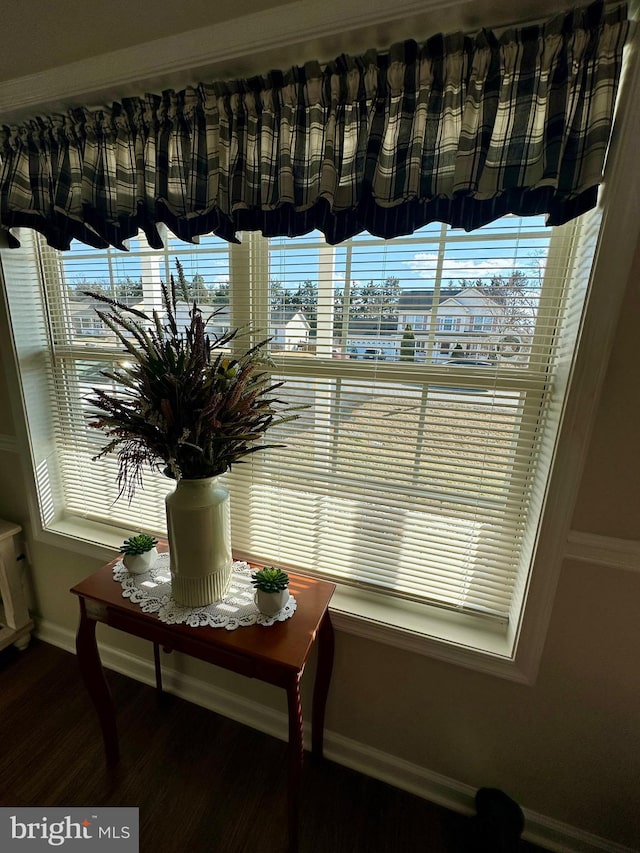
[[432, 368]]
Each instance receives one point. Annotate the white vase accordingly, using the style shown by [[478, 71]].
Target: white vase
[[199, 532], [138, 564], [270, 603]]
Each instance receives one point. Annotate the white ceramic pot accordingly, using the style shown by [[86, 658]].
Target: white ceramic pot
[[138, 564], [199, 533], [270, 603]]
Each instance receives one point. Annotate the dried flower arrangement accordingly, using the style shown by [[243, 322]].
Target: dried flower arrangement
[[186, 406]]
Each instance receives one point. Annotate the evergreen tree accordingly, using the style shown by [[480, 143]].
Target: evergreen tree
[[408, 344], [199, 291]]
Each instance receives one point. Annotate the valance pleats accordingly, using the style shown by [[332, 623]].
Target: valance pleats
[[460, 129]]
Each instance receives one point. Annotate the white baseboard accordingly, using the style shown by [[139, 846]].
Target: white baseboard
[[442, 790]]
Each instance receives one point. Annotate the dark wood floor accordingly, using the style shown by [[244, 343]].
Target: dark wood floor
[[227, 798]]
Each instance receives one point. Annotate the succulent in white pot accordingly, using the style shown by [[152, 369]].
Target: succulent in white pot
[[271, 590], [139, 553]]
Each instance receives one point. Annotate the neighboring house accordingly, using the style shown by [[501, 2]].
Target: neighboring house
[[217, 317], [84, 320], [289, 330], [289, 327], [467, 323], [86, 323]]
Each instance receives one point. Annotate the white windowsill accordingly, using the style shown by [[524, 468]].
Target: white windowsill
[[476, 644]]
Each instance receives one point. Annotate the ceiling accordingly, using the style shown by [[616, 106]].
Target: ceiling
[[37, 35]]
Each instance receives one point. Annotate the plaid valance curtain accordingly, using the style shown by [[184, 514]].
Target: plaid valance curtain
[[460, 129]]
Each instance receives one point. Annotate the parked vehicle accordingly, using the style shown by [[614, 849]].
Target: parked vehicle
[[469, 361], [464, 362]]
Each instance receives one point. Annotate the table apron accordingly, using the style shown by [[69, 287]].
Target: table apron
[[251, 667], [191, 646]]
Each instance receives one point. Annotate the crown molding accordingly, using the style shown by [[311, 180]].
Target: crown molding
[[251, 44], [180, 59]]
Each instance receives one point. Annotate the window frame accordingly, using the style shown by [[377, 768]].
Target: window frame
[[264, 260], [366, 613]]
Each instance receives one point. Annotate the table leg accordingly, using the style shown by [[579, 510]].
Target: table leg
[[158, 668], [96, 684], [296, 759], [321, 687]]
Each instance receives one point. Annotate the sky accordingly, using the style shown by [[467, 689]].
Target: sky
[[510, 243]]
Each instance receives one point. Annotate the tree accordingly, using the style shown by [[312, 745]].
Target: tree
[[408, 344], [199, 291], [305, 298], [279, 295], [375, 305], [221, 295], [128, 290], [517, 297], [514, 299]]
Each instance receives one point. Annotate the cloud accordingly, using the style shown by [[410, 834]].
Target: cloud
[[426, 265]]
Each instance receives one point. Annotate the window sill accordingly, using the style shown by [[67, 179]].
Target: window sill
[[447, 636], [451, 637]]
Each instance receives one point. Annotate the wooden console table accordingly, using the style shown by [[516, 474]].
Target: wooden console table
[[275, 654]]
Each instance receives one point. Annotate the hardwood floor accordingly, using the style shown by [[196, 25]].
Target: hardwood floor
[[227, 798]]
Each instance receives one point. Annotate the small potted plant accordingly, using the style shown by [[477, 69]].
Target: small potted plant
[[139, 553], [271, 590]]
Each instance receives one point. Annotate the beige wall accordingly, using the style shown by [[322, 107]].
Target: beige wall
[[6, 418], [567, 747], [609, 498]]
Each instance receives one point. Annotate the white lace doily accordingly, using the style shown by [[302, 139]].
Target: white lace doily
[[152, 591]]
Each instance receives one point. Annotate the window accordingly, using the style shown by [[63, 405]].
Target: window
[[416, 479], [416, 321], [481, 324], [448, 323]]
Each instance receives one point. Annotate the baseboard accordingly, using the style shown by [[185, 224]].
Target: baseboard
[[548, 833]]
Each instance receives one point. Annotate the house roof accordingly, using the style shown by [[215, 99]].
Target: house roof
[[282, 316], [422, 300]]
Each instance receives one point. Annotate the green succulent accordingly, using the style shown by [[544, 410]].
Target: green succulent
[[270, 579], [139, 544]]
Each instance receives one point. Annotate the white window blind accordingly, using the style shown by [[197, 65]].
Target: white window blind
[[433, 368]]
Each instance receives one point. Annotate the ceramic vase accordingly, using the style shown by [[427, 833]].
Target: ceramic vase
[[270, 603], [199, 533]]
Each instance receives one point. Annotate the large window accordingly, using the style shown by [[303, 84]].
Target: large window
[[433, 368]]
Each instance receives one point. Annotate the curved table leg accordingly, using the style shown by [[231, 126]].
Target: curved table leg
[[96, 684], [321, 687], [296, 758]]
